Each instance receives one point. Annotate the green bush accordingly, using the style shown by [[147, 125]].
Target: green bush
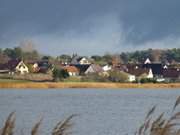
[[118, 76], [148, 80], [59, 74]]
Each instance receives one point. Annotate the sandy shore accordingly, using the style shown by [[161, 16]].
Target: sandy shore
[[47, 85]]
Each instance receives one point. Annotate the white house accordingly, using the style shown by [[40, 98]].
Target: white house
[[22, 68], [72, 70], [106, 68], [94, 69]]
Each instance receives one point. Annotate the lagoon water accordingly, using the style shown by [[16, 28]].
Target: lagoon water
[[100, 112]]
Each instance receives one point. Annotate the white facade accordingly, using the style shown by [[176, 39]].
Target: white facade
[[73, 74], [131, 78], [35, 65], [150, 74], [89, 70], [22, 68], [160, 80], [84, 61], [107, 68]]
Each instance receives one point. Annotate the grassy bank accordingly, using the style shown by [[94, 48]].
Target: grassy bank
[[45, 85]]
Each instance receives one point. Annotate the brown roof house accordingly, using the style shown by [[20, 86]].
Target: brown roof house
[[172, 73], [72, 70], [140, 72]]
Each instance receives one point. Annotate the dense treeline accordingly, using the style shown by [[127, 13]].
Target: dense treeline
[[17, 53], [155, 55], [170, 55]]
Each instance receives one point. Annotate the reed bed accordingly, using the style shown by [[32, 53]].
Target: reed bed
[[61, 128], [46, 85], [161, 125]]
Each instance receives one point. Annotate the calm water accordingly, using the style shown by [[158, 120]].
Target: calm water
[[101, 112]]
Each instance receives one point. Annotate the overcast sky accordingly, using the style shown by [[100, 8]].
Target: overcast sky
[[90, 26]]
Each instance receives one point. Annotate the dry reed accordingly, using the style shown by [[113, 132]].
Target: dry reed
[[46, 85], [35, 129], [161, 125], [8, 128], [61, 128]]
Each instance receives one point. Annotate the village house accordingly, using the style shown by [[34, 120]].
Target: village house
[[93, 68], [16, 66], [76, 60], [171, 74], [40, 66], [136, 70], [89, 69], [140, 72], [22, 68], [72, 70], [156, 69], [82, 68]]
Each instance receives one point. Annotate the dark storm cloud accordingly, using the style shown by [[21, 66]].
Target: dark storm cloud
[[90, 26]]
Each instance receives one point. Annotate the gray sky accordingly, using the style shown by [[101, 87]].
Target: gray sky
[[90, 26]]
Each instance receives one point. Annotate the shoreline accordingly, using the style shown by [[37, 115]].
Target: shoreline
[[47, 85]]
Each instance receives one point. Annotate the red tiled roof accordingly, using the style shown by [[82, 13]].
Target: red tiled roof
[[71, 69]]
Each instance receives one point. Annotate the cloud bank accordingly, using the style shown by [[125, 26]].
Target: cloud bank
[[90, 27]]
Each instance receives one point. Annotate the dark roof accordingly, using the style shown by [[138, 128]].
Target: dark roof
[[44, 66], [43, 70], [43, 63], [126, 67], [3, 67], [11, 65], [40, 63], [137, 71], [79, 59], [157, 69], [82, 68], [171, 73]]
